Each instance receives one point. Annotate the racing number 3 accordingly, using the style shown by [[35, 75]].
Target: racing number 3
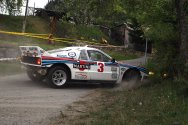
[[101, 67]]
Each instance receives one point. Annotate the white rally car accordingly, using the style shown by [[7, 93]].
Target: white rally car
[[60, 66]]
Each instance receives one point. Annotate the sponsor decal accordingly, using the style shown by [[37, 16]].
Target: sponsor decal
[[72, 54], [61, 56], [114, 69], [28, 53], [32, 48], [81, 76], [42, 51], [114, 75], [23, 48], [35, 54], [122, 69], [81, 66]]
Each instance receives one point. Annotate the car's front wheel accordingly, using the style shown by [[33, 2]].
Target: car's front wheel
[[131, 75], [131, 79], [58, 77]]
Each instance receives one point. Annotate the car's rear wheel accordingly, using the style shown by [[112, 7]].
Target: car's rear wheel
[[34, 76], [58, 77]]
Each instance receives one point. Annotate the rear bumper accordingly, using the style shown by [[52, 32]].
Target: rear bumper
[[38, 69]]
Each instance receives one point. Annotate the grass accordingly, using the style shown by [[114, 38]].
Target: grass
[[10, 68], [123, 55], [39, 25], [80, 32], [14, 24], [11, 23], [158, 104]]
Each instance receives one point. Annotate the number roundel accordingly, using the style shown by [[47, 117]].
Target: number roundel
[[101, 67]]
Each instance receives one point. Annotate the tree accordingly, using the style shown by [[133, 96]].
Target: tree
[[91, 11], [79, 11], [182, 19], [10, 5], [168, 23]]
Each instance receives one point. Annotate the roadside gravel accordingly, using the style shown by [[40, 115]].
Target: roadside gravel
[[23, 102]]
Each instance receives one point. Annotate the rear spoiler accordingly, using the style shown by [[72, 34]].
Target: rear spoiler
[[31, 55]]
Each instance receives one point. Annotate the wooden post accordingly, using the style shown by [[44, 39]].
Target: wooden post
[[25, 17]]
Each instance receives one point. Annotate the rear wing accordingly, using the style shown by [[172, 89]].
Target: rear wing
[[31, 55]]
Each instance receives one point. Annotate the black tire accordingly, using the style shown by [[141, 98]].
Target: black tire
[[132, 75], [58, 77], [34, 76]]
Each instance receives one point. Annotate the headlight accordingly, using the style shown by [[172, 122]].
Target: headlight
[[165, 75], [151, 73]]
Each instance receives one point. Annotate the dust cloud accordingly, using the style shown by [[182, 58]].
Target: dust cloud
[[130, 85]]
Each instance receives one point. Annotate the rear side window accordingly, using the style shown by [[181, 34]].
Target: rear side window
[[83, 55]]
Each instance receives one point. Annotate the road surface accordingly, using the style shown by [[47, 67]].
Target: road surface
[[135, 62], [23, 102]]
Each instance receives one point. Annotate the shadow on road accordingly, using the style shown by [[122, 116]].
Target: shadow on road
[[70, 85]]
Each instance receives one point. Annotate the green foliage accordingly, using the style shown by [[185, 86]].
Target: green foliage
[[90, 32], [158, 21], [121, 55], [11, 23], [91, 11], [77, 31], [14, 23], [10, 5], [149, 105]]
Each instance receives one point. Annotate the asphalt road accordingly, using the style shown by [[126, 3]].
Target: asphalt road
[[23, 102]]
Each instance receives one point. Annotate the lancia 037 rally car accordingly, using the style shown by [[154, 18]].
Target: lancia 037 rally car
[[62, 65]]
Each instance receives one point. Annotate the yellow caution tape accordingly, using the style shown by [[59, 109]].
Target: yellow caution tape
[[46, 37]]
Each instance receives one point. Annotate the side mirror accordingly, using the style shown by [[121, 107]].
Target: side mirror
[[113, 60]]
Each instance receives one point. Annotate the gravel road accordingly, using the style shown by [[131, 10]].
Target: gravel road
[[136, 62], [23, 102]]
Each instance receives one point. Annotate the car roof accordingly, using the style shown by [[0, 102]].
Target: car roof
[[74, 48], [79, 48]]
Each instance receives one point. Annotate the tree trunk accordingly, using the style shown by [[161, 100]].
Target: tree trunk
[[184, 32], [183, 25], [182, 14]]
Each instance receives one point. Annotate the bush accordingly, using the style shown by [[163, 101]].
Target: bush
[[86, 32], [156, 76]]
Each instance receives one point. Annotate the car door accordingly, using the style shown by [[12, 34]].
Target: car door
[[101, 67], [81, 67]]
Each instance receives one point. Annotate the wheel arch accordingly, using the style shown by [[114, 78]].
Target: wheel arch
[[131, 69], [61, 65]]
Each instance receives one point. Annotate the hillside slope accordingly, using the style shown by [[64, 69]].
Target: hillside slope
[[63, 29], [14, 23]]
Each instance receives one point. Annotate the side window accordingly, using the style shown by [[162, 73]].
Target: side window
[[83, 55], [97, 56]]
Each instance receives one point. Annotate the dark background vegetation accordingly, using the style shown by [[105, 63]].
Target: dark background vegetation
[[163, 22]]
